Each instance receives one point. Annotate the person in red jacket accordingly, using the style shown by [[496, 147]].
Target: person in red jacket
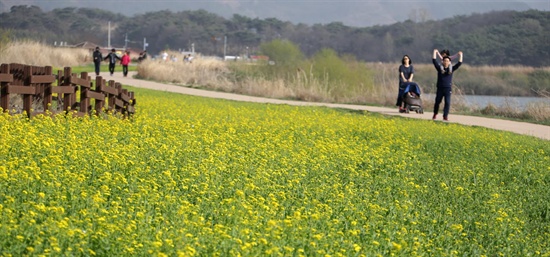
[[125, 61]]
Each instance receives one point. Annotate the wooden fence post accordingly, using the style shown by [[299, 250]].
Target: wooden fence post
[[48, 94], [131, 105], [99, 104], [41, 80], [113, 96], [67, 75], [84, 84], [5, 79], [64, 90], [27, 97]]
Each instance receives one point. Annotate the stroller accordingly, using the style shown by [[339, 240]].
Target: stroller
[[411, 97]]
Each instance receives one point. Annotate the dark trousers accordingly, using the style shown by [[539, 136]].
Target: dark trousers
[[443, 93], [97, 65], [125, 70], [400, 94], [112, 68]]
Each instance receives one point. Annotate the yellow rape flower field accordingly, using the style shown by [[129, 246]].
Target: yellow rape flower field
[[190, 176]]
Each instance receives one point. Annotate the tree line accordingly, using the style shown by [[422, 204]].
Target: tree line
[[494, 38]]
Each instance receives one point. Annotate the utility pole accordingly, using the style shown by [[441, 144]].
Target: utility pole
[[109, 36], [126, 42], [224, 46]]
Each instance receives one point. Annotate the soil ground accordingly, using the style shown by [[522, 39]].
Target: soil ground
[[536, 130]]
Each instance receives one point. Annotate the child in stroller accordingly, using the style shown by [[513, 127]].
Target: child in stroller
[[411, 98]]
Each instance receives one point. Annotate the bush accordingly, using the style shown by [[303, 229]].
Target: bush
[[539, 80]]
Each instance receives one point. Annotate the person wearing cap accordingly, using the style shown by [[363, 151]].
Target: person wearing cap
[[112, 60], [98, 57]]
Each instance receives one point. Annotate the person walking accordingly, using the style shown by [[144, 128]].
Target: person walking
[[444, 82], [406, 74], [98, 57], [125, 61], [112, 60]]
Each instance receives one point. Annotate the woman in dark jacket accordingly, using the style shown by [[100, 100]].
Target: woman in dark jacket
[[406, 74]]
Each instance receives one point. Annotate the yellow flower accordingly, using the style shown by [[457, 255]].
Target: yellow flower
[[318, 236], [396, 246], [457, 227]]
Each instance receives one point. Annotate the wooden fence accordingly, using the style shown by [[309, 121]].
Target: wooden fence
[[72, 93]]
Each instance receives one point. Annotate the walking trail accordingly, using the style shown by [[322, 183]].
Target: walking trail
[[540, 131]]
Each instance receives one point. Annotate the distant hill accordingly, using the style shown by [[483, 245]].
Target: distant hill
[[350, 13], [491, 38]]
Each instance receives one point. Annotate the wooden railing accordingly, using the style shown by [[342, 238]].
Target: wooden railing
[[73, 93]]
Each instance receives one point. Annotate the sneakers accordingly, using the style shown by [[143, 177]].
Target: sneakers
[[444, 117], [402, 110]]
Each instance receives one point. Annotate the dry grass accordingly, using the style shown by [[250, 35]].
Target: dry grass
[[487, 69], [214, 74], [34, 53], [202, 72]]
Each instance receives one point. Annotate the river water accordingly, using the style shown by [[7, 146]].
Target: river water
[[482, 101]]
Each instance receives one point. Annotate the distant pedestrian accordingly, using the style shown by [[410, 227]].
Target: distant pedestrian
[[98, 57], [406, 74], [164, 56], [444, 82], [125, 61], [142, 56], [112, 56]]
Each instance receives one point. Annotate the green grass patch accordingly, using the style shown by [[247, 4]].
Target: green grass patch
[[90, 68]]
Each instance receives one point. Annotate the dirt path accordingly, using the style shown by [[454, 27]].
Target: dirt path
[[524, 128]]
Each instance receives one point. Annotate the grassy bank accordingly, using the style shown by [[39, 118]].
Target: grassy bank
[[325, 77], [377, 88]]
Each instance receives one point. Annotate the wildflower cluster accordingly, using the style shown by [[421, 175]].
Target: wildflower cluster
[[192, 176]]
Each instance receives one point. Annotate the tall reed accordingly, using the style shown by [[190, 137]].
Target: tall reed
[[35, 53], [339, 80]]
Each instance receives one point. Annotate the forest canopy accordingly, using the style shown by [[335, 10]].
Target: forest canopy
[[494, 38]]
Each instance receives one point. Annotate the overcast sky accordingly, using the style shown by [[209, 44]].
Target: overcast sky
[[350, 12]]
